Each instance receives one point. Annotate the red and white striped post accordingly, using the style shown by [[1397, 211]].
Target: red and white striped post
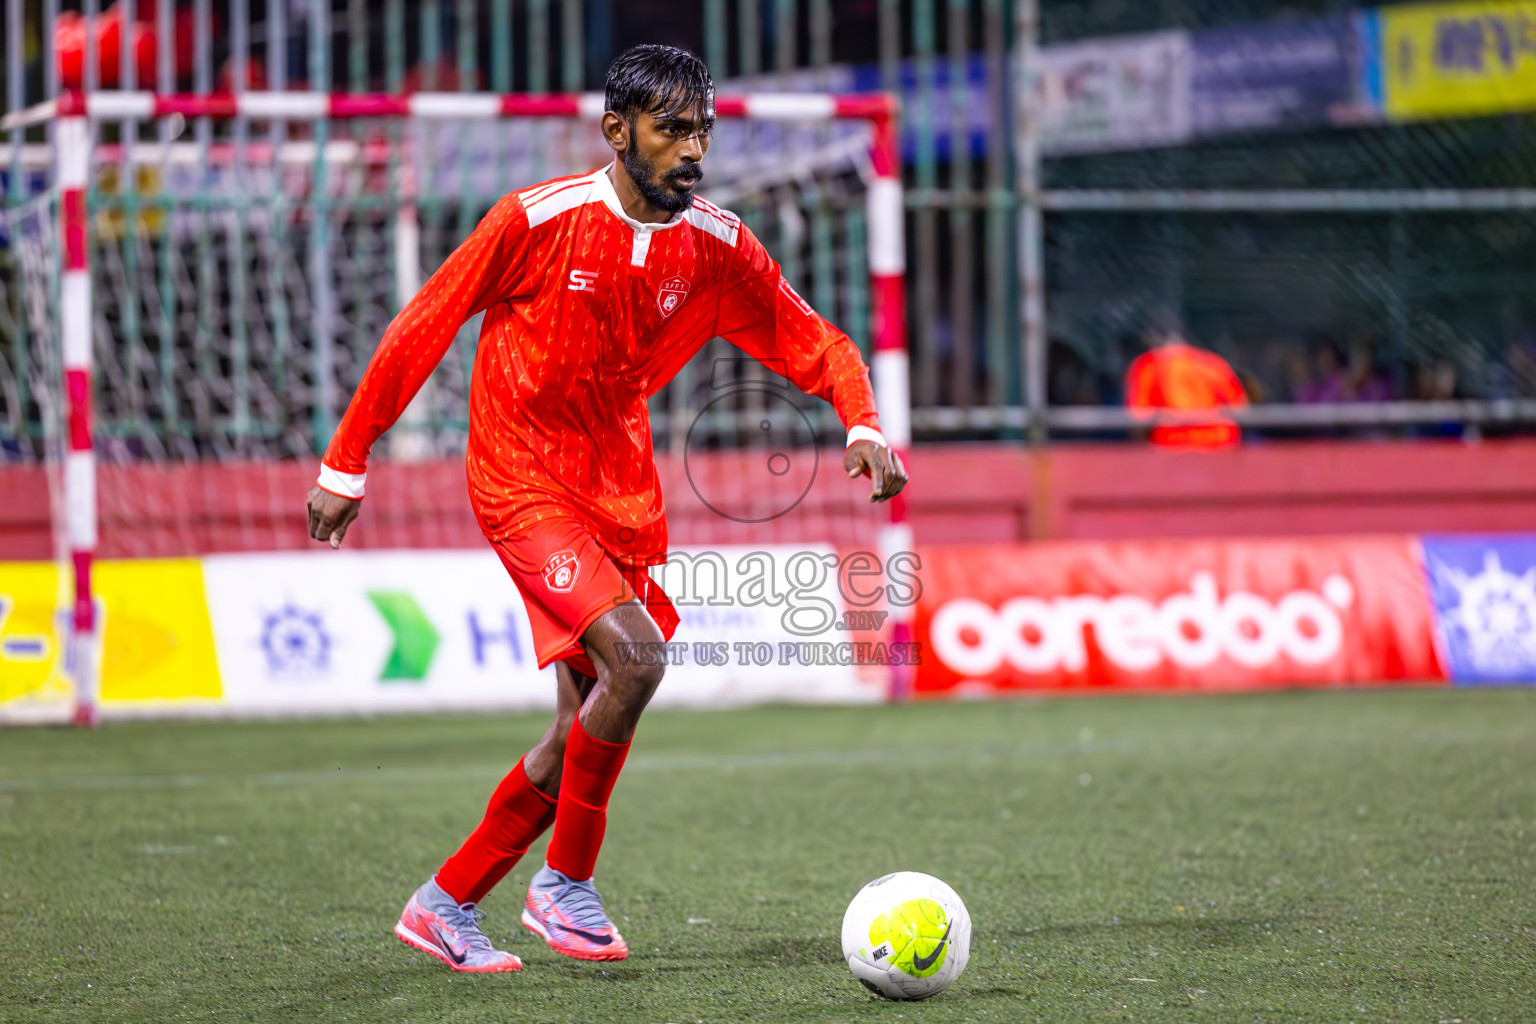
[[888, 299], [471, 106], [72, 139]]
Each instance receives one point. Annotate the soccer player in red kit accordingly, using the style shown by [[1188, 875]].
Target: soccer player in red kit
[[596, 289]]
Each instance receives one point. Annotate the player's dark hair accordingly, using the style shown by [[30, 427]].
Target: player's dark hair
[[656, 80]]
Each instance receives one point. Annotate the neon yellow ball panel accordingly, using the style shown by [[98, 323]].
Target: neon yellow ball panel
[[918, 931]]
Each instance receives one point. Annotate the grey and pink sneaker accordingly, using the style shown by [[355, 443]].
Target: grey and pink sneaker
[[433, 923], [569, 916]]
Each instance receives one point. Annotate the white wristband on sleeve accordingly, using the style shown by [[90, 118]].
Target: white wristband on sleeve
[[865, 434], [346, 485]]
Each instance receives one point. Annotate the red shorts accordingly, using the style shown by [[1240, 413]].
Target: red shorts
[[569, 582]]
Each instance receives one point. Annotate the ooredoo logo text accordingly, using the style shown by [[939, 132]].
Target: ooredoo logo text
[[1191, 629]]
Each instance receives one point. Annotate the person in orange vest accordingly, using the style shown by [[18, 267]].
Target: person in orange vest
[[1175, 375]]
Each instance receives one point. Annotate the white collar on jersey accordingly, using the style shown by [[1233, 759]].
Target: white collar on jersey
[[610, 199]]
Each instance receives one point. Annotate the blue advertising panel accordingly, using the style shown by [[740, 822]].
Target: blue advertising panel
[[936, 107], [1484, 594], [1279, 75]]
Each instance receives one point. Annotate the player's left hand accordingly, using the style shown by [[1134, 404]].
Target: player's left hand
[[883, 467]]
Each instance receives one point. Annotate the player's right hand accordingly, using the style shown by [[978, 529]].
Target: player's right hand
[[883, 466], [330, 515]]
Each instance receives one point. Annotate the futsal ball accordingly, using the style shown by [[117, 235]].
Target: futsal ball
[[906, 936]]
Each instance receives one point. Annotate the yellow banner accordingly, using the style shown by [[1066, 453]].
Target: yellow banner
[[1458, 59], [31, 635], [157, 640]]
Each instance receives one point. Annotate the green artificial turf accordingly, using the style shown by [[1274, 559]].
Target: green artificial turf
[[1360, 856]]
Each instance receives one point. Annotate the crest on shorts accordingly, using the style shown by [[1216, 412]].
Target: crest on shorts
[[560, 571], [673, 291]]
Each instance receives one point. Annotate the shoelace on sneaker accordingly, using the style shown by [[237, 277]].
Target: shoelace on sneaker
[[582, 905], [465, 920]]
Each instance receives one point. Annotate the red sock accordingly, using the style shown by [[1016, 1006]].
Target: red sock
[[592, 766], [516, 816]]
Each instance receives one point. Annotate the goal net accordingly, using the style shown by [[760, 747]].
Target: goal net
[[198, 282]]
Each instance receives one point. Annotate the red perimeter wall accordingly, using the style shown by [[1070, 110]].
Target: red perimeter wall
[[970, 493]]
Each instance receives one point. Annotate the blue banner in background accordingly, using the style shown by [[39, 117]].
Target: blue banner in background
[[1484, 594], [1276, 76], [933, 104], [930, 108]]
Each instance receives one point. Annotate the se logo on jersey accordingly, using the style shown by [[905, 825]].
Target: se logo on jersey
[[673, 291], [583, 281], [560, 571]]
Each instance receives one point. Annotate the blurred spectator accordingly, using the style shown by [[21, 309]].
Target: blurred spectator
[[1515, 376], [444, 76], [1437, 382], [1521, 360], [69, 39], [1176, 375], [1297, 370], [1071, 382], [255, 76], [1253, 387], [1327, 381], [1364, 381]]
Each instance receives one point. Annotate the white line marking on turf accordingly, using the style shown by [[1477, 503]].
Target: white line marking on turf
[[639, 764]]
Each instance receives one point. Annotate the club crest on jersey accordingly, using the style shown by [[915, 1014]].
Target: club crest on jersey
[[560, 571], [673, 291]]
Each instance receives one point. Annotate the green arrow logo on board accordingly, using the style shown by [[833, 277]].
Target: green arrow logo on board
[[416, 638]]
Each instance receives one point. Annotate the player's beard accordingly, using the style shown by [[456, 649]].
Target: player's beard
[[659, 193]]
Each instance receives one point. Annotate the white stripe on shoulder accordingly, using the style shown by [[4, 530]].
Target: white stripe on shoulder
[[529, 195], [549, 201], [534, 192], [706, 216]]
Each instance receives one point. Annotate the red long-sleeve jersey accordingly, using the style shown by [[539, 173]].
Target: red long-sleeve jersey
[[587, 314]]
